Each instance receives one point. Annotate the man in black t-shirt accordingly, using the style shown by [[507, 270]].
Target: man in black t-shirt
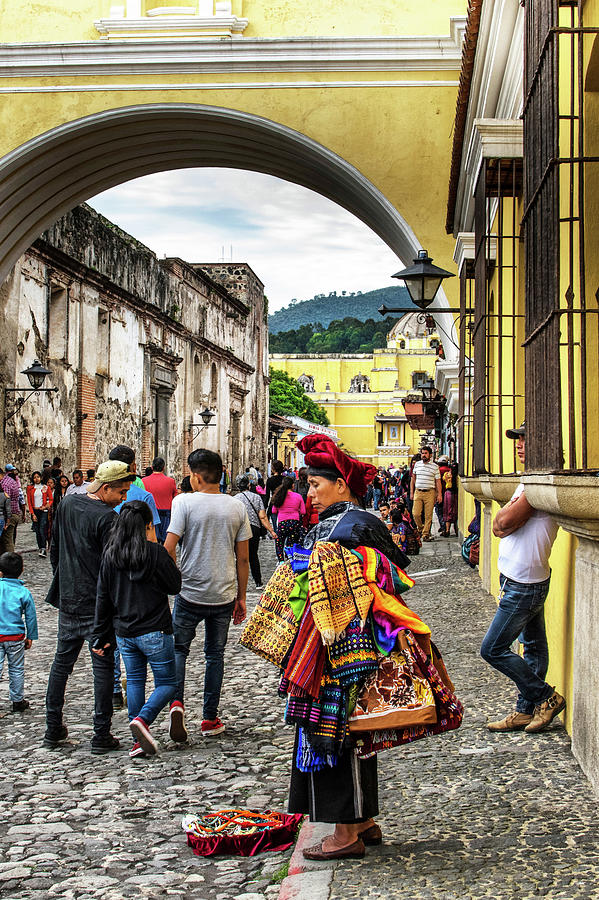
[[79, 533]]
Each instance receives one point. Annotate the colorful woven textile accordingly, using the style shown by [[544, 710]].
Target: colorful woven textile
[[320, 742], [337, 590], [299, 596], [397, 695], [353, 657], [307, 659], [298, 557], [390, 612], [449, 709], [272, 627]]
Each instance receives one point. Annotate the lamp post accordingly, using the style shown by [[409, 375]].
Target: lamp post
[[206, 416], [36, 374], [423, 280]]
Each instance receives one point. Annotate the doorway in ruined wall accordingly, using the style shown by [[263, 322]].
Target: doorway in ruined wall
[[235, 462]]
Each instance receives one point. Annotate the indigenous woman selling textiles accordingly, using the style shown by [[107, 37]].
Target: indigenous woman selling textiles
[[357, 663]]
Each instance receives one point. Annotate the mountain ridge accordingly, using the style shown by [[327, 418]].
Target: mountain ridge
[[324, 309]]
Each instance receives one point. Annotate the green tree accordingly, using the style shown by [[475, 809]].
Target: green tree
[[288, 398]]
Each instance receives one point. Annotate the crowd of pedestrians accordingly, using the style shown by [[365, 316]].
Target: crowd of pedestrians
[[113, 541]]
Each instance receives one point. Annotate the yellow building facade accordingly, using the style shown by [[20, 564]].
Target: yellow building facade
[[523, 197], [362, 392]]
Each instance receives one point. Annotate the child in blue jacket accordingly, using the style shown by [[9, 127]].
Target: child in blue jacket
[[18, 626]]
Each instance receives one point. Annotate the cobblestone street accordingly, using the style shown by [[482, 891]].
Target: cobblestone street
[[469, 814]]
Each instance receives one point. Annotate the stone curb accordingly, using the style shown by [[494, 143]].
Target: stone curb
[[308, 880]]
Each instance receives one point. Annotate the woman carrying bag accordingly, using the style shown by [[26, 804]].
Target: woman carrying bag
[[136, 577], [258, 521]]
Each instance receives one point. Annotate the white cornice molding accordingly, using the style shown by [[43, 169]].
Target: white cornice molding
[[465, 248], [496, 92], [232, 55], [498, 138], [180, 25]]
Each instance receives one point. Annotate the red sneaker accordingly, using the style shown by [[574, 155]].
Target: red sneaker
[[141, 733], [137, 750], [176, 728], [210, 727]]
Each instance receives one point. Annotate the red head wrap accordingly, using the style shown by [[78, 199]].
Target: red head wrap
[[322, 453]]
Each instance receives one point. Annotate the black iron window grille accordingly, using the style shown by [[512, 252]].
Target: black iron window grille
[[497, 327], [561, 190]]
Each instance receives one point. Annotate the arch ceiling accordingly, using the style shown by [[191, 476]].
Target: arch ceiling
[[49, 175]]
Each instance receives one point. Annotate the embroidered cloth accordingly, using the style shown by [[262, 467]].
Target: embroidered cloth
[[337, 590], [272, 626]]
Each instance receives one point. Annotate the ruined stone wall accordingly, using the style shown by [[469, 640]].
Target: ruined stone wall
[[137, 347]]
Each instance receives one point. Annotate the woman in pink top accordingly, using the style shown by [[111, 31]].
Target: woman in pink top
[[288, 507]]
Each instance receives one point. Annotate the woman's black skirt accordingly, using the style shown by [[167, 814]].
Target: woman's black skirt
[[344, 794]]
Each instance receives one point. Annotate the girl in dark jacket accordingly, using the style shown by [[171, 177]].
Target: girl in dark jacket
[[136, 577]]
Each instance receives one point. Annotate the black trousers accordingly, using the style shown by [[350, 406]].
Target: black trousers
[[72, 633], [253, 544], [344, 794]]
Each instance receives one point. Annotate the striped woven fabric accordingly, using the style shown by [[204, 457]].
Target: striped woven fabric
[[337, 590]]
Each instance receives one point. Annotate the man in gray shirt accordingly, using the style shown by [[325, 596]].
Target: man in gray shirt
[[214, 531]]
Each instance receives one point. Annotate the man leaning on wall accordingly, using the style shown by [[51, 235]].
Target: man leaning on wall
[[527, 536]]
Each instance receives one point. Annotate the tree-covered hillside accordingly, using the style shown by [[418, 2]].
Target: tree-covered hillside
[[323, 309], [288, 398], [347, 335]]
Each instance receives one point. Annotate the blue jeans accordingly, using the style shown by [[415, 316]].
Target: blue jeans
[[118, 685], [165, 521], [216, 618], [155, 648], [14, 652], [520, 613], [40, 527], [376, 494]]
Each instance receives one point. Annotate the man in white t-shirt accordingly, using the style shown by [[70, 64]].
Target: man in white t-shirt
[[527, 535], [425, 491], [214, 531]]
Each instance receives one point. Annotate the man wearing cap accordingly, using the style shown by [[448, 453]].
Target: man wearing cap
[[80, 531], [527, 535]]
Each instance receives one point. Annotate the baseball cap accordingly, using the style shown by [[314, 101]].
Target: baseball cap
[[108, 472], [515, 433], [9, 467]]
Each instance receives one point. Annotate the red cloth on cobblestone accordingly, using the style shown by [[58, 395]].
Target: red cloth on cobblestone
[[320, 452]]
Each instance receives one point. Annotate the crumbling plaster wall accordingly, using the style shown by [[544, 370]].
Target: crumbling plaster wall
[[128, 319]]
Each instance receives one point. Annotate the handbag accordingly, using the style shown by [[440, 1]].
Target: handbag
[[272, 626], [397, 695]]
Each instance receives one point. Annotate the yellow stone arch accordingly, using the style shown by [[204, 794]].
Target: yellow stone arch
[[350, 102]]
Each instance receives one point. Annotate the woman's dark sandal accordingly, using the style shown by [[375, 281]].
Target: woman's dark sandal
[[356, 850], [372, 836]]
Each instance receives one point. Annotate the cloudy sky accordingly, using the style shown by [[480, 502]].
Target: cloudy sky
[[298, 243]]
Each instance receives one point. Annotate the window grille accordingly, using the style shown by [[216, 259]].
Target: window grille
[[496, 327], [560, 185]]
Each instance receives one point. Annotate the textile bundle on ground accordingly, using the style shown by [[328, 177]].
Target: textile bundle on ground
[[358, 664], [240, 832]]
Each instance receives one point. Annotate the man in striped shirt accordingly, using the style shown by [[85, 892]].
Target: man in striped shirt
[[425, 491]]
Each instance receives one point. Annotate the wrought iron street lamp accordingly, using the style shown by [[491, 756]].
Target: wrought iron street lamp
[[36, 374], [423, 280], [206, 416]]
